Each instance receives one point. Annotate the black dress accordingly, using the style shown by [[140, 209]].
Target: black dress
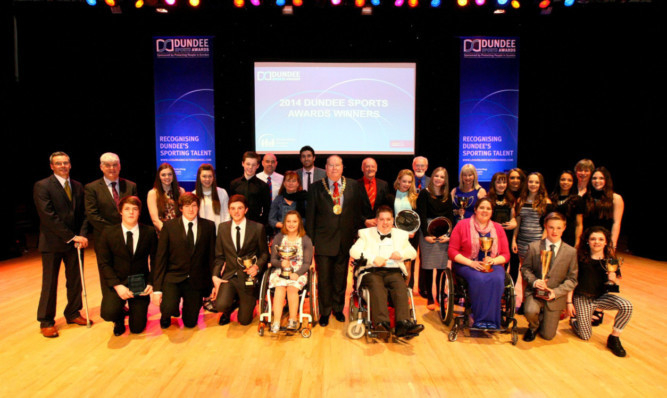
[[569, 206]]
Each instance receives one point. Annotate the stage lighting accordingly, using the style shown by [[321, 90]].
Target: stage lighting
[[480, 2], [170, 2], [398, 3], [462, 3], [435, 3], [194, 3], [502, 2], [516, 4], [568, 3], [110, 3], [139, 3], [254, 2], [280, 3], [359, 3], [335, 2], [297, 3], [239, 3], [91, 2], [413, 3], [375, 2], [544, 4]]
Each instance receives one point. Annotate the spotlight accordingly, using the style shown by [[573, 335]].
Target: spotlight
[[194, 3], [359, 3], [91, 2], [170, 2], [435, 3], [413, 3], [139, 3], [568, 3], [502, 2], [239, 3], [297, 3], [462, 3], [398, 3], [335, 2], [544, 4], [110, 3], [375, 2], [516, 4], [254, 2], [480, 2], [280, 3]]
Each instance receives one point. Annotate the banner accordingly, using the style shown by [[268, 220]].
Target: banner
[[489, 104], [184, 117]]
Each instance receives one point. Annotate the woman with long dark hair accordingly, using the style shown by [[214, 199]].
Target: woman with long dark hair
[[213, 200], [567, 202], [503, 211], [531, 207], [604, 207], [162, 199], [291, 196]]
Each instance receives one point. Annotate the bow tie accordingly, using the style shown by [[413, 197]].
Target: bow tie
[[384, 236]]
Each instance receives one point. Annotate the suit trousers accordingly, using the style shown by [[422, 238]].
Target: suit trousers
[[540, 317], [192, 301], [332, 279], [381, 284], [247, 299], [112, 309], [46, 311]]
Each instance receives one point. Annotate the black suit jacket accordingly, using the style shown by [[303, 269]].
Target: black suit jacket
[[381, 198], [101, 209], [333, 234], [254, 243], [174, 263], [115, 261], [59, 218]]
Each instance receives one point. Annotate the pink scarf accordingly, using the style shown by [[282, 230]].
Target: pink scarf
[[475, 231]]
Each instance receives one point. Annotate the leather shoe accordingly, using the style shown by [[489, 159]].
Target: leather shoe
[[80, 320], [49, 331], [529, 335], [408, 328], [340, 317], [614, 344], [324, 320], [165, 322], [118, 328], [224, 320], [383, 330]]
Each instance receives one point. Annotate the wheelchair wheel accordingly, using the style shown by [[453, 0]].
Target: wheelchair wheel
[[355, 330], [313, 296], [508, 303], [260, 329], [354, 311], [306, 332], [453, 334], [264, 287], [446, 296]]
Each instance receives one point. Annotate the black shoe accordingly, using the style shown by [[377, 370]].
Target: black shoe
[[407, 328], [224, 320], [340, 317], [598, 317], [383, 330], [324, 320], [519, 311], [118, 328], [165, 323], [529, 335], [126, 311], [614, 344]]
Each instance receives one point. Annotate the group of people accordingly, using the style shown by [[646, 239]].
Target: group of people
[[211, 245]]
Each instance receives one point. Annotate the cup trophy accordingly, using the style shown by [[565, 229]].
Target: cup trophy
[[246, 262], [485, 243], [463, 201], [545, 257], [612, 265], [287, 253]]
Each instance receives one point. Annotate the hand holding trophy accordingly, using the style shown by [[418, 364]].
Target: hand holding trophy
[[245, 263], [287, 253], [486, 243], [545, 257], [611, 265]]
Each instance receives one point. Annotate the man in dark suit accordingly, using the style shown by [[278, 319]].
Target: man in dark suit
[[256, 191], [374, 193], [124, 251], [308, 173], [419, 167], [183, 263], [62, 227], [561, 278], [238, 239], [102, 197], [333, 216]]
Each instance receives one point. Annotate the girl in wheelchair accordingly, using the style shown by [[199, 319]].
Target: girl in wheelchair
[[291, 257]]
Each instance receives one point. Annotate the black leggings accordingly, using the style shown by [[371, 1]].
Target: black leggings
[[426, 283]]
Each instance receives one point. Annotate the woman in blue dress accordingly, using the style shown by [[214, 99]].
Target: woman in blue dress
[[467, 193]]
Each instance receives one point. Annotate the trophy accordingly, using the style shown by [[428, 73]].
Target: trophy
[[485, 243], [286, 253], [611, 265], [545, 256], [439, 226], [463, 201], [246, 262]]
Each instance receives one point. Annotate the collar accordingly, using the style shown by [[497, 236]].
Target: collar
[[367, 181], [108, 181], [135, 230], [186, 221], [61, 180], [242, 224]]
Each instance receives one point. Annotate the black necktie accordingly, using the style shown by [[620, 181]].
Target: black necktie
[[384, 236], [191, 238], [238, 239], [129, 243], [309, 180]]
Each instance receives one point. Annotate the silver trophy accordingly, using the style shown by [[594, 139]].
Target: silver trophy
[[287, 253]]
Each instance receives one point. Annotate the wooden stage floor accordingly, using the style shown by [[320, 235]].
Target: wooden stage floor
[[233, 361]]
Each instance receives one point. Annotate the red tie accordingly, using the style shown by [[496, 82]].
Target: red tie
[[371, 193], [336, 194], [116, 198]]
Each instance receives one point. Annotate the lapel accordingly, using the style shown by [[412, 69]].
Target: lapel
[[106, 192], [246, 237], [61, 191]]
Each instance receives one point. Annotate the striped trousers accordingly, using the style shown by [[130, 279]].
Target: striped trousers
[[585, 306]]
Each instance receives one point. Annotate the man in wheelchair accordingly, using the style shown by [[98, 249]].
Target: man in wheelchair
[[383, 250]]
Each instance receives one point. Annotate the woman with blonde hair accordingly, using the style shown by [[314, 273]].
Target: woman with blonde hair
[[467, 193]]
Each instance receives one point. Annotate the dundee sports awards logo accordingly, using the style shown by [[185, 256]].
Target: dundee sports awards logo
[[182, 47], [489, 48]]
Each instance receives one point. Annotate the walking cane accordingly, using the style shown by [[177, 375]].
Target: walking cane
[[83, 283]]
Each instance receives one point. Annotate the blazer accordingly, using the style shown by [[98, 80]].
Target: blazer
[[318, 174], [333, 234], [115, 261], [254, 243], [173, 261], [101, 209], [381, 198], [369, 241], [60, 219], [562, 275]]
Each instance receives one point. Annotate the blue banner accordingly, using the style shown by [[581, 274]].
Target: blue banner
[[489, 104], [184, 117]]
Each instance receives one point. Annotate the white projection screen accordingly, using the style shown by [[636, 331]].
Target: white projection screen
[[342, 108]]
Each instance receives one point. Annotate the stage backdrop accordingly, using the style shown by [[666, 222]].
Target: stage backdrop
[[489, 104], [184, 118]]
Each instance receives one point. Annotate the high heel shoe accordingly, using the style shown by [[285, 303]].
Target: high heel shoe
[[598, 317]]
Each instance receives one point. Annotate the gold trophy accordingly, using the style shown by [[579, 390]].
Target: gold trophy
[[485, 243], [286, 253], [246, 262], [464, 201], [545, 256], [612, 265]]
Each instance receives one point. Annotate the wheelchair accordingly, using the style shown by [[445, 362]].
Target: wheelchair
[[453, 291], [307, 298], [361, 323]]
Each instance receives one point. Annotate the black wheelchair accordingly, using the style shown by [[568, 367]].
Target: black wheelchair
[[307, 300], [360, 309], [453, 291]]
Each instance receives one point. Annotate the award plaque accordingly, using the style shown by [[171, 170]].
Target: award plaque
[[502, 215], [245, 263], [545, 257], [136, 283]]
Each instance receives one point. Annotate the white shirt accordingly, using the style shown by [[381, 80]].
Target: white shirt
[[108, 182], [242, 225], [305, 177], [206, 207], [276, 182], [194, 226], [62, 181], [549, 243], [135, 235]]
